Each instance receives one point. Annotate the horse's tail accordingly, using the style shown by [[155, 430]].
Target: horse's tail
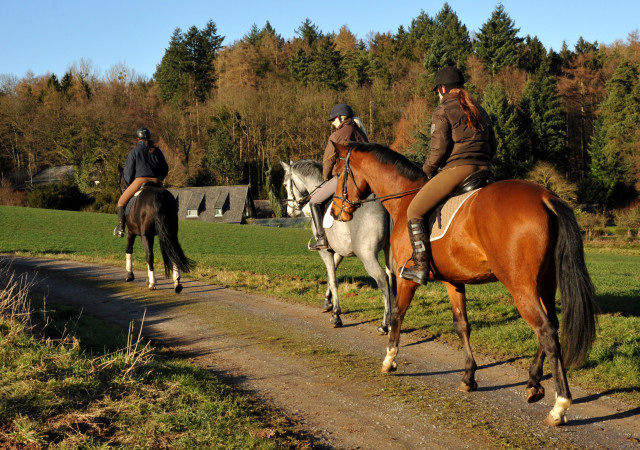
[[576, 289], [166, 225]]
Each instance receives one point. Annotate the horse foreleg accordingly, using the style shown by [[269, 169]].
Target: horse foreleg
[[147, 244], [457, 296], [177, 286], [406, 289], [129, 256], [332, 280]]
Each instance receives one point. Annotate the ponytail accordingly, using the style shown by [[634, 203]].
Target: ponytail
[[150, 145], [470, 109], [358, 122]]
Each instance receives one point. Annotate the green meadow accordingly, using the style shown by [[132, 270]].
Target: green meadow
[[275, 261]]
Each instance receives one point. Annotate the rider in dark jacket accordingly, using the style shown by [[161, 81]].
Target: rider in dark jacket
[[144, 163], [462, 143]]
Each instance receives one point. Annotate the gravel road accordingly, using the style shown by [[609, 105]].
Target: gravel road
[[327, 380]]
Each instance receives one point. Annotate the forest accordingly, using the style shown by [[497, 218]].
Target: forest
[[228, 113]]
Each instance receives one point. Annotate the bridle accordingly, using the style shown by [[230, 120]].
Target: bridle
[[348, 173], [295, 203]]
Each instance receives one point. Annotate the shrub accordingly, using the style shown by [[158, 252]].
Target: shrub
[[65, 195], [544, 174]]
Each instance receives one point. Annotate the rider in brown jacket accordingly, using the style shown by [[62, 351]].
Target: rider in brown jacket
[[347, 129], [462, 142]]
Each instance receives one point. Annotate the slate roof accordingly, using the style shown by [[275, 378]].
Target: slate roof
[[53, 175], [224, 204]]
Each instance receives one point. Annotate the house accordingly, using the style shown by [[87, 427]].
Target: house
[[224, 204]]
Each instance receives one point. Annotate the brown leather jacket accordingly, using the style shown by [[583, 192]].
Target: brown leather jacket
[[454, 142], [347, 131]]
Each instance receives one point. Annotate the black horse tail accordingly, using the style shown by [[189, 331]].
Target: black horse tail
[[166, 225], [577, 293]]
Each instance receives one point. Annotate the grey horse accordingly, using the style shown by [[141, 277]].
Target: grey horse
[[364, 237]]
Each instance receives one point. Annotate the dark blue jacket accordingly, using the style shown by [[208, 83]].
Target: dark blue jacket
[[142, 163]]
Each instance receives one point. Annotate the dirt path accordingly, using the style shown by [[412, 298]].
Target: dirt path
[[328, 380]]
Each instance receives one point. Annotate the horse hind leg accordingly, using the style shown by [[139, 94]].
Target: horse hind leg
[[545, 325], [129, 267], [147, 244], [372, 266], [457, 296], [177, 285]]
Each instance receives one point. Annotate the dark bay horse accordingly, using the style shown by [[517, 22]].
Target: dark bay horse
[[155, 213], [515, 232]]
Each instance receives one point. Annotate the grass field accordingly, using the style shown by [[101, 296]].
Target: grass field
[[275, 261]]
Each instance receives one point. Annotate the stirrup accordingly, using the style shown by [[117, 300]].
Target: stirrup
[[318, 246], [411, 274], [117, 231]]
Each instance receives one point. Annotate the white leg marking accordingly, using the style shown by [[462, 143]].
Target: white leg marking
[[129, 263], [152, 277], [176, 274], [389, 360], [557, 413]]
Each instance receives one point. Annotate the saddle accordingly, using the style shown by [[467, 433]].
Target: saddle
[[133, 199], [474, 181]]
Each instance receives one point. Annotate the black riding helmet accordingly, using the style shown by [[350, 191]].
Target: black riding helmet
[[341, 109], [450, 76], [143, 133]]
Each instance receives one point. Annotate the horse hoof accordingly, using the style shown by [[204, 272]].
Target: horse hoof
[[534, 394], [386, 368], [130, 276], [382, 330], [327, 306], [464, 387], [336, 321], [555, 421], [152, 287], [177, 288]]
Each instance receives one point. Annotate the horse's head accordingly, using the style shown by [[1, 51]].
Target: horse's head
[[296, 191], [351, 187]]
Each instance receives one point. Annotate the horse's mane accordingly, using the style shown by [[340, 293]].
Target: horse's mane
[[390, 157], [307, 168]]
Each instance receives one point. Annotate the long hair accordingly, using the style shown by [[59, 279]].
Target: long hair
[[470, 109]]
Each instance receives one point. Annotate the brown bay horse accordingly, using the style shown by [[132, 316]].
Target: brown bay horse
[[515, 232], [155, 213]]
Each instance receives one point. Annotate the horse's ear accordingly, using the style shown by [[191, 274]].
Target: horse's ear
[[285, 166]]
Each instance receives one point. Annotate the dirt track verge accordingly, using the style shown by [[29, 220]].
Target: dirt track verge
[[327, 380]]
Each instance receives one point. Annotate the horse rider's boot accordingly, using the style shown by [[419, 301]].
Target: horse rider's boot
[[119, 229], [321, 238], [419, 272]]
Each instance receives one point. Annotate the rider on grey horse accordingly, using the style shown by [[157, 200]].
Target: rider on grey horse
[[348, 128]]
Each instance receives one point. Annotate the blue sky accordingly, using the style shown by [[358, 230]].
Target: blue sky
[[43, 36]]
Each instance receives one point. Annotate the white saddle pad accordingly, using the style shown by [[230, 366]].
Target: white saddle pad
[[327, 222]]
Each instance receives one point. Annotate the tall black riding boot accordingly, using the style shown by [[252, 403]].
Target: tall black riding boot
[[317, 214], [119, 229], [419, 272]]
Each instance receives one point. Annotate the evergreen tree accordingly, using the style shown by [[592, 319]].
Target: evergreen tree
[[496, 43], [420, 35], [185, 73], [613, 148], [532, 54], [513, 158], [546, 119], [450, 44], [326, 66]]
